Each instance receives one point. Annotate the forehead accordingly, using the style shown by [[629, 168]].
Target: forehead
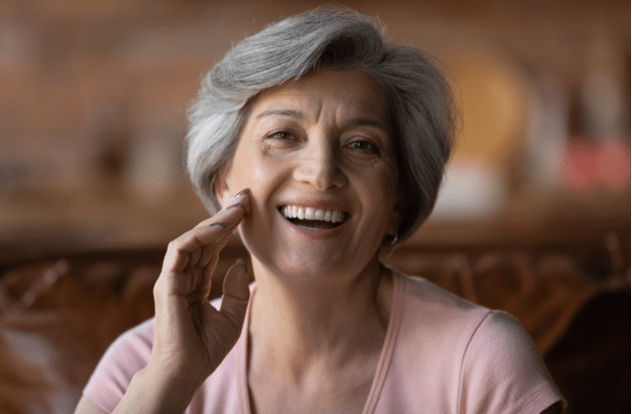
[[353, 92]]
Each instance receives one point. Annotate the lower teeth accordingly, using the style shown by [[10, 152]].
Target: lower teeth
[[314, 223]]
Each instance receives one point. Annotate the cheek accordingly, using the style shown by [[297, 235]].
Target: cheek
[[384, 191], [259, 171], [261, 175], [245, 172], [385, 175]]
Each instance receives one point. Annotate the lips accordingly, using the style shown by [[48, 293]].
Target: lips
[[312, 217]]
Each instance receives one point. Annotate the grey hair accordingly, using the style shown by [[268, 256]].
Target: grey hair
[[421, 99]]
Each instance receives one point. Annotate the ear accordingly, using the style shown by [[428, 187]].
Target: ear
[[393, 223], [220, 186]]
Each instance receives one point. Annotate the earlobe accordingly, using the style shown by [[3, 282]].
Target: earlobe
[[393, 226], [394, 223]]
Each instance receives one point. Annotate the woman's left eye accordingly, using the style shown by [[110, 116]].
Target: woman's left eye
[[364, 146]]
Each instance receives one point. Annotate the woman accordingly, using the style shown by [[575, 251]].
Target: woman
[[320, 144]]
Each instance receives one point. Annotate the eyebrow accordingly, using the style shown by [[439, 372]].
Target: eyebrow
[[301, 116], [366, 122], [284, 112]]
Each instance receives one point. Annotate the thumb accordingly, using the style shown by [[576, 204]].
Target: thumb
[[236, 293]]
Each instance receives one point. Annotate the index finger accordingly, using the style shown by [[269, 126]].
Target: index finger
[[240, 200], [220, 226], [213, 232]]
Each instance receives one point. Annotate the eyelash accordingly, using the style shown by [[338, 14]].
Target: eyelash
[[283, 135], [362, 145], [372, 147]]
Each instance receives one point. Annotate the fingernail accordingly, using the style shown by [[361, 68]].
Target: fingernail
[[236, 205], [238, 195]]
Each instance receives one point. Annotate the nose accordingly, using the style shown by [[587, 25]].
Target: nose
[[320, 166]]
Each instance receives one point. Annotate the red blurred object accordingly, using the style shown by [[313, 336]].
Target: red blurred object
[[597, 165]]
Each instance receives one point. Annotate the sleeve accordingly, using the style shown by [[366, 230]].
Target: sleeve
[[503, 372], [127, 355]]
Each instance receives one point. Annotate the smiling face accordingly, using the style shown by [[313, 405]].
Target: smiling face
[[318, 158]]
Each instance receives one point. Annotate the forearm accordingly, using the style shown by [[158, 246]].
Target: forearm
[[153, 392]]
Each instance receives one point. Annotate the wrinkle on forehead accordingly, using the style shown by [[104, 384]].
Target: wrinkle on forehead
[[365, 103]]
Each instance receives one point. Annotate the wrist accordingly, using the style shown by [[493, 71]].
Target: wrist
[[155, 390]]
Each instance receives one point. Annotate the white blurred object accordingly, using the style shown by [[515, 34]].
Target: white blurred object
[[546, 134], [471, 191], [153, 168]]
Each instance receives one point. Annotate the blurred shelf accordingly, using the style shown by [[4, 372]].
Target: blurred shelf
[[103, 217], [35, 225], [533, 219]]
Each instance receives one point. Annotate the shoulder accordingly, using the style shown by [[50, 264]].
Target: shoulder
[[479, 359], [431, 330], [502, 367], [499, 347], [418, 289], [127, 355], [130, 352], [424, 303]]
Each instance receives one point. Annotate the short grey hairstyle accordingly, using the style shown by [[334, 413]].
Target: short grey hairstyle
[[421, 99]]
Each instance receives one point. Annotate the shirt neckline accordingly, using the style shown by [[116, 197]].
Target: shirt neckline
[[389, 344], [382, 365]]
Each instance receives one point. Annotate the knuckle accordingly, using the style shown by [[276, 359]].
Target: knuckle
[[173, 245], [176, 244], [158, 286]]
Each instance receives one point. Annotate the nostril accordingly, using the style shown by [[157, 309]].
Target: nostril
[[322, 176]]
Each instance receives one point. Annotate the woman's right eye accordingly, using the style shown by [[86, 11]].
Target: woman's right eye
[[282, 135], [280, 140]]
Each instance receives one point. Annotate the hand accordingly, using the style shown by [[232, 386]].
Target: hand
[[192, 337]]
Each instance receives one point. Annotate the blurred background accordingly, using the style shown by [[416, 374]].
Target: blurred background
[[534, 216], [93, 96]]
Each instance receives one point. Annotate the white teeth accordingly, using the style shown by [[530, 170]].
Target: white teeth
[[310, 213]]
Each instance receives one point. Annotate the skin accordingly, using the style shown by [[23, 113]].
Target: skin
[[322, 300], [322, 140], [322, 303]]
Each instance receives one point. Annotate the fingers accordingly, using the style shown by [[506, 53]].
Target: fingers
[[187, 250]]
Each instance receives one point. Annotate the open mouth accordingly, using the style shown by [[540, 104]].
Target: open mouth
[[313, 218]]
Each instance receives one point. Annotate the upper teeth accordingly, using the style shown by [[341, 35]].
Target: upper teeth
[[309, 213]]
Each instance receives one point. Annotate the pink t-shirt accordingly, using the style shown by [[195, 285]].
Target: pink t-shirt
[[441, 354]]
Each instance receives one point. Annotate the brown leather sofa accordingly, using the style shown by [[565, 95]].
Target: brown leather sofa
[[58, 315]]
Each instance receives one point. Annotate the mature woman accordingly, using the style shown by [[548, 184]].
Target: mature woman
[[319, 144]]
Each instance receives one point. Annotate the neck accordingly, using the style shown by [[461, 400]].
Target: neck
[[307, 320]]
